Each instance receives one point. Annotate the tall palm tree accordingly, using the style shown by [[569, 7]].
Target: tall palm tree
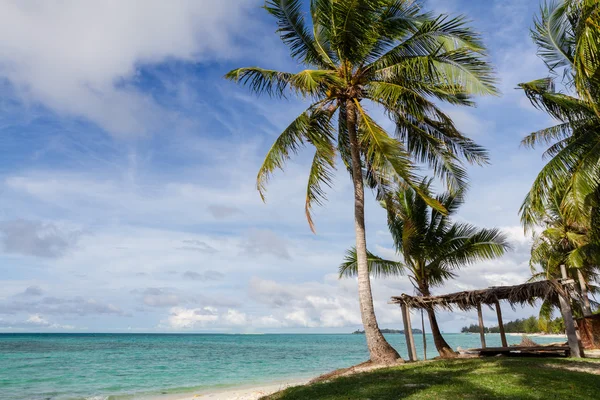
[[362, 54], [432, 247], [565, 196], [567, 34]]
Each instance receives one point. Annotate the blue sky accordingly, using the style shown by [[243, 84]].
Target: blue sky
[[127, 167]]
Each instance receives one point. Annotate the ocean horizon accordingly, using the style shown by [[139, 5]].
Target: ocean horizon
[[119, 366]]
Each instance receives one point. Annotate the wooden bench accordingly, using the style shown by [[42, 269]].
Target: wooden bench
[[560, 350]]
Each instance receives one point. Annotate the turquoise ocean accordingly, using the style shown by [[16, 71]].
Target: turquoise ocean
[[137, 366]]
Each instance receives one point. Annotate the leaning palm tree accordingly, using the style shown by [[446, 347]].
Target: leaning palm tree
[[432, 247], [364, 54]]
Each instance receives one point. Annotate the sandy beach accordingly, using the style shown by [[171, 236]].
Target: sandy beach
[[546, 335], [242, 393]]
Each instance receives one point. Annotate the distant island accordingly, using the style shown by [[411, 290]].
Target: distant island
[[359, 332]]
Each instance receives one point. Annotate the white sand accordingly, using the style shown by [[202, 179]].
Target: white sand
[[242, 393], [548, 335]]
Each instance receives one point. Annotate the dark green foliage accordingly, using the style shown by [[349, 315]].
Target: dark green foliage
[[525, 325]]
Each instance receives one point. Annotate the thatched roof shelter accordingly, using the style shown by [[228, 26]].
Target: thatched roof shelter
[[527, 293]]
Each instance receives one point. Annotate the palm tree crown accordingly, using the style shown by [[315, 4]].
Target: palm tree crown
[[381, 52], [432, 246]]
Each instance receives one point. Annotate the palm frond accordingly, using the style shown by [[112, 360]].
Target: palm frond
[[295, 34], [378, 266], [552, 35], [306, 83], [321, 171], [312, 123]]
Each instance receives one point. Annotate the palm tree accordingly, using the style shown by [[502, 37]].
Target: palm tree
[[567, 34], [565, 196], [360, 54], [432, 247], [565, 242]]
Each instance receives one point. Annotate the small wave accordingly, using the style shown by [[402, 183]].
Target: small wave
[[97, 398]]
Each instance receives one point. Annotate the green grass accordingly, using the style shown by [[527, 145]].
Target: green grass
[[492, 378]]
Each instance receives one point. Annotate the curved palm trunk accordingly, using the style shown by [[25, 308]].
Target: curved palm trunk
[[441, 345], [379, 349]]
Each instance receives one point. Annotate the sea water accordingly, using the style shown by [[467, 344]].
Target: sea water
[[134, 366]]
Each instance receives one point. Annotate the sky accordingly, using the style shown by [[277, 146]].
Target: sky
[[128, 165]]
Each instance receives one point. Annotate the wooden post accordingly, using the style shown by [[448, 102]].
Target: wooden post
[[567, 313], [413, 349], [501, 325], [424, 337], [481, 327], [563, 271], [407, 331], [573, 340]]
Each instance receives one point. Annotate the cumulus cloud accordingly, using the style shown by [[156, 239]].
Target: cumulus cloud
[[81, 58], [324, 305], [36, 238], [188, 318]]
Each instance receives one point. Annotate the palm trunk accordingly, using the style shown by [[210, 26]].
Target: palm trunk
[[380, 351], [585, 307], [441, 345]]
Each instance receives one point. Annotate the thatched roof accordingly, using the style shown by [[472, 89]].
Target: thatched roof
[[526, 293]]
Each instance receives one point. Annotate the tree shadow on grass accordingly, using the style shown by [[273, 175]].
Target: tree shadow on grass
[[452, 379], [563, 378]]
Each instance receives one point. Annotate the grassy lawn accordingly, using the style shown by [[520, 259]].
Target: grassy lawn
[[492, 378]]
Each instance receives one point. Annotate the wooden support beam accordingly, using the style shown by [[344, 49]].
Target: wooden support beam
[[407, 332], [501, 325], [424, 337], [572, 337], [567, 313], [481, 327], [413, 349]]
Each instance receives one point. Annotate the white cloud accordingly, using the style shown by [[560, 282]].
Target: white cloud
[[34, 322], [189, 318], [234, 317], [81, 58]]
